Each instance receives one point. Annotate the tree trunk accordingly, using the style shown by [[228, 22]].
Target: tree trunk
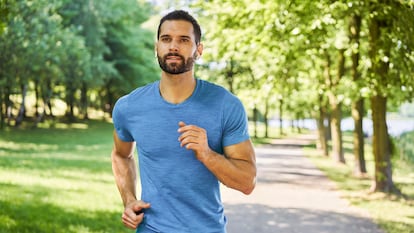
[[381, 147], [381, 142], [255, 121], [2, 115], [9, 105], [109, 97], [336, 133], [358, 138], [84, 101], [358, 104], [322, 142], [70, 101], [22, 109], [337, 149], [47, 97], [37, 96], [230, 76], [265, 118], [281, 117]]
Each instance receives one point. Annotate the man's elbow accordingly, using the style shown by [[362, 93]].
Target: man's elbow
[[249, 186]]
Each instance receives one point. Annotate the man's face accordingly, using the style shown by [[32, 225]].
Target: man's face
[[176, 47]]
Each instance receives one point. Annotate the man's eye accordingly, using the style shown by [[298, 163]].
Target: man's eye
[[166, 39]]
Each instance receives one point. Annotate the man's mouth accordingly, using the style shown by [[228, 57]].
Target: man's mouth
[[173, 57]]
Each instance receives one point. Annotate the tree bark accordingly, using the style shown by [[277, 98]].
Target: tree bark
[[358, 138], [322, 136], [281, 117], [255, 121], [381, 146], [337, 153], [22, 109], [265, 118], [230, 75], [358, 103], [84, 101], [2, 115], [70, 101], [381, 142], [337, 149]]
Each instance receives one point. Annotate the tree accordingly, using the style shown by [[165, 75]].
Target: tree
[[391, 55], [131, 51], [355, 22]]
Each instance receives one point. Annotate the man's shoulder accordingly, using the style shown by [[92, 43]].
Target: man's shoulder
[[136, 95], [143, 90], [215, 90], [139, 92]]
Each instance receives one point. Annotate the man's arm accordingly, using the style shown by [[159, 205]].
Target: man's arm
[[236, 169], [125, 173]]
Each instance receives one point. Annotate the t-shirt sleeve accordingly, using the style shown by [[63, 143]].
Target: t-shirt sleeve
[[235, 122], [119, 120]]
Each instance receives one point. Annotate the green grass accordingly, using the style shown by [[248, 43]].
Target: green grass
[[394, 214], [58, 180]]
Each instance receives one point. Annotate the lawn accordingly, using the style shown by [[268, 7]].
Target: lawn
[[58, 180]]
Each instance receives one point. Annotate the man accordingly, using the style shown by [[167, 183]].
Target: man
[[190, 135]]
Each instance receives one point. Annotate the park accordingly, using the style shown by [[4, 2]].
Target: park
[[339, 72]]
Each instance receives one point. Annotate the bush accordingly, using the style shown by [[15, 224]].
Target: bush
[[405, 146]]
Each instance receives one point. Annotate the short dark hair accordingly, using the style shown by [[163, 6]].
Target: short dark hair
[[182, 15]]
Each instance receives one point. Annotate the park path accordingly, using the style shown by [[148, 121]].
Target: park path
[[292, 196]]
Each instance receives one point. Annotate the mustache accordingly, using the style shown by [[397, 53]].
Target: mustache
[[173, 54]]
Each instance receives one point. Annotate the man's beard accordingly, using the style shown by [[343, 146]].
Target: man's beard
[[176, 68]]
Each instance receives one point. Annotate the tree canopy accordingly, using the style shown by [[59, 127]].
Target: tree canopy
[[87, 53]]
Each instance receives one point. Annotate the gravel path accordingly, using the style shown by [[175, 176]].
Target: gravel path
[[292, 196]]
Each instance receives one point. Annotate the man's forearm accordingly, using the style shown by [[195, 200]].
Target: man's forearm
[[234, 173], [125, 173]]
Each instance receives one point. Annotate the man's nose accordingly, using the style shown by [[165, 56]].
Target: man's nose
[[174, 45]]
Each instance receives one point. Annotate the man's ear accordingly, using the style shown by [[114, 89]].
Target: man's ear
[[199, 50]]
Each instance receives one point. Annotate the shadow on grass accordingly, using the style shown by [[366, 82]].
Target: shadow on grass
[[27, 210], [55, 163]]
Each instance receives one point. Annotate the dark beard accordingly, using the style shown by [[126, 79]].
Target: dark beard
[[175, 68]]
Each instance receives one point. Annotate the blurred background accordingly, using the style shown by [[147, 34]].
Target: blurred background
[[342, 69]]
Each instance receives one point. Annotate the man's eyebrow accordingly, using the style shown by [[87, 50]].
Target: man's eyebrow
[[183, 36], [187, 37]]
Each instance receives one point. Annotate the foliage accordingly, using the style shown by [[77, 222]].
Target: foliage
[[296, 54], [78, 51], [405, 147]]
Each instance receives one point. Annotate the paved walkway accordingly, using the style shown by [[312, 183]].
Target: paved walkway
[[292, 196]]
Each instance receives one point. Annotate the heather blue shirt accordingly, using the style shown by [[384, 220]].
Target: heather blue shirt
[[184, 194]]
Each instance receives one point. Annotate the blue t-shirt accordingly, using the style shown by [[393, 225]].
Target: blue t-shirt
[[184, 194]]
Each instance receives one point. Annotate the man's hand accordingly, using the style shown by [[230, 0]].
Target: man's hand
[[133, 214], [194, 138]]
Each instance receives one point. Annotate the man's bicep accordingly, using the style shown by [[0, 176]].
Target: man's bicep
[[122, 148]]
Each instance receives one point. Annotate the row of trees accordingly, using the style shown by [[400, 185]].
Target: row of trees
[[319, 59], [302, 58], [85, 52]]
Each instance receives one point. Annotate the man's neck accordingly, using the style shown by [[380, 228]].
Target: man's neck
[[176, 89]]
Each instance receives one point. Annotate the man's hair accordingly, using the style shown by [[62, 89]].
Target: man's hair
[[182, 15]]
